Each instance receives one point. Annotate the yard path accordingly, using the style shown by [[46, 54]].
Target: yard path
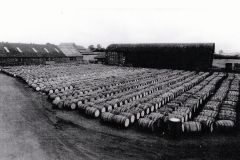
[[25, 131]]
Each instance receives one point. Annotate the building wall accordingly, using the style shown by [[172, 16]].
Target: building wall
[[89, 57], [12, 61], [221, 63]]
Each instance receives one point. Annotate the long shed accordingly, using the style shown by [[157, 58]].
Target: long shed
[[162, 55], [27, 54]]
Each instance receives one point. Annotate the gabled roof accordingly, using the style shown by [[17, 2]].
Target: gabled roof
[[29, 50], [70, 49], [73, 50]]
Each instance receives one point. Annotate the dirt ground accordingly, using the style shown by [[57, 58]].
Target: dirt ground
[[30, 130]]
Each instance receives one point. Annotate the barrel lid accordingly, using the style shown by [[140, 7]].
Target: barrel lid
[[126, 123], [73, 106], [103, 110], [173, 119], [142, 113], [97, 113], [138, 115], [132, 119]]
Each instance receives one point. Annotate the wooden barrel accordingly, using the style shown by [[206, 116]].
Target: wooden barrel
[[79, 103], [191, 127], [109, 108], [224, 125], [183, 114], [115, 105], [82, 107], [73, 106], [232, 103], [52, 96], [93, 112], [57, 98], [227, 115], [115, 111], [130, 116], [174, 126], [100, 108], [155, 116], [106, 117], [63, 97], [67, 104], [224, 108], [200, 118], [146, 124], [228, 112], [56, 91], [142, 113], [152, 108], [56, 101], [209, 113], [164, 110], [136, 113], [158, 118], [38, 89], [185, 110], [60, 105], [121, 121], [207, 124]]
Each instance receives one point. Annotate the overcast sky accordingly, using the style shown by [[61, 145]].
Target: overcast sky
[[125, 21]]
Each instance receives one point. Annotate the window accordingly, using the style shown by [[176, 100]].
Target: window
[[6, 49], [19, 50], [34, 50], [46, 50], [57, 50]]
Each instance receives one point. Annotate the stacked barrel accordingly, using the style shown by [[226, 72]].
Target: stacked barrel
[[210, 110], [227, 116], [174, 109], [156, 100], [135, 105]]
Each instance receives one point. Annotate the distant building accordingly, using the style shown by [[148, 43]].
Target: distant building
[[90, 56], [75, 52], [71, 51], [29, 54], [101, 57], [228, 64], [190, 56]]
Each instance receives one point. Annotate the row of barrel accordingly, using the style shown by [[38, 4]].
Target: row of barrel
[[58, 77], [219, 113], [113, 94], [130, 104], [152, 102], [111, 88], [173, 101], [227, 117], [182, 108]]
